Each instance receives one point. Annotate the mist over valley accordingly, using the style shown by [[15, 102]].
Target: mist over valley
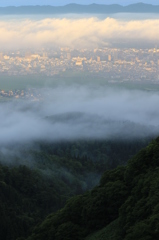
[[77, 79], [78, 112], [79, 94]]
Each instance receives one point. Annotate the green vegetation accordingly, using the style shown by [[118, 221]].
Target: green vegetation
[[39, 181], [105, 154], [110, 231], [68, 78], [20, 82], [126, 199]]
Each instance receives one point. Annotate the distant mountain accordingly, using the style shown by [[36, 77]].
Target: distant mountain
[[76, 8]]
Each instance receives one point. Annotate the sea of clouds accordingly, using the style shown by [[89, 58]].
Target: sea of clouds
[[72, 113], [82, 32]]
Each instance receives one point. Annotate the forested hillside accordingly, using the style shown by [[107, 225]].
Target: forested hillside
[[124, 206], [38, 181]]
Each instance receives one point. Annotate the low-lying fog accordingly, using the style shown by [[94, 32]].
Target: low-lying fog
[[71, 113]]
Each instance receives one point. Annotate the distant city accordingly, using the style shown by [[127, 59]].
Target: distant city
[[31, 94], [111, 63]]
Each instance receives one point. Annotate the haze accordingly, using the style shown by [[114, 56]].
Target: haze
[[68, 113], [64, 2], [71, 113]]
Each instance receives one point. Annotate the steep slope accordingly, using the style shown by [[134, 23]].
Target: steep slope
[[28, 195], [128, 195], [38, 179]]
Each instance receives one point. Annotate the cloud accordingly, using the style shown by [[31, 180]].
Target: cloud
[[77, 33], [71, 113]]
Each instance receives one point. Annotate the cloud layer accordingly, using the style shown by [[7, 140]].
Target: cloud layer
[[84, 32], [80, 113]]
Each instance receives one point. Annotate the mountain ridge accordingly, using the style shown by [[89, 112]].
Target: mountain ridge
[[79, 8]]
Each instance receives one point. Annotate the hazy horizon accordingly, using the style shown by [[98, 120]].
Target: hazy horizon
[[65, 2]]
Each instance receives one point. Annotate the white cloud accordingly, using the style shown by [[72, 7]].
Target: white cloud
[[79, 113], [85, 32]]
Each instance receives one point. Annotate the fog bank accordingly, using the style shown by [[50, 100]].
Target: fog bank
[[72, 113]]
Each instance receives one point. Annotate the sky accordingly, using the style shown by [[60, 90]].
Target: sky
[[64, 2]]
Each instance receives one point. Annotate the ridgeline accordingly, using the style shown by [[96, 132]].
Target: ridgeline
[[79, 9]]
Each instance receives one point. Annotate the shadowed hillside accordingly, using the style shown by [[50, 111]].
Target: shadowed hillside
[[38, 179], [123, 206]]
